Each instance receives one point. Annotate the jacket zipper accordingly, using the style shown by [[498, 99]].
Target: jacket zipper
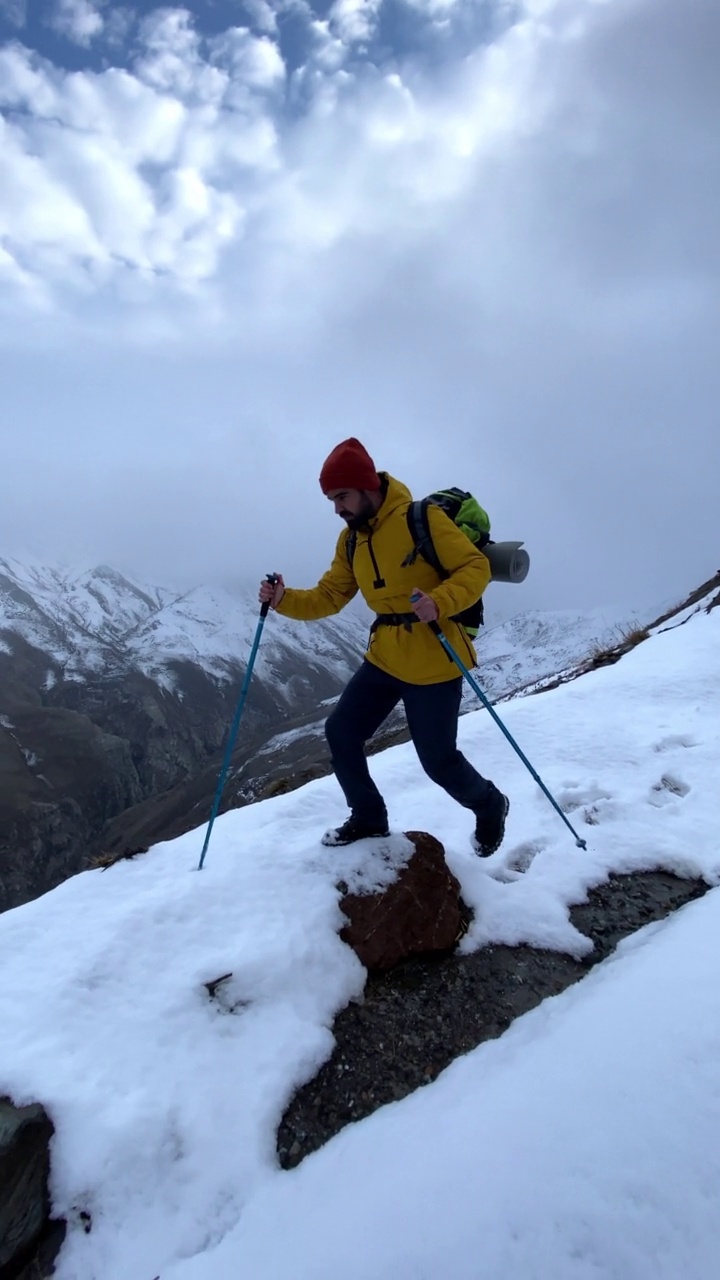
[[379, 582]]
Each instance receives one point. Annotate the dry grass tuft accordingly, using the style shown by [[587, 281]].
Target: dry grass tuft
[[102, 861]]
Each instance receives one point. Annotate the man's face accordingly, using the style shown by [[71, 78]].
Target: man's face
[[353, 506]]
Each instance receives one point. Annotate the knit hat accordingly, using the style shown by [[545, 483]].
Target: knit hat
[[349, 466]]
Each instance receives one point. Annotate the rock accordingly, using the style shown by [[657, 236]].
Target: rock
[[25, 1134], [420, 912], [416, 1019], [41, 1265]]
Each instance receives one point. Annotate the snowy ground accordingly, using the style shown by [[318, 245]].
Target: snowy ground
[[584, 1143]]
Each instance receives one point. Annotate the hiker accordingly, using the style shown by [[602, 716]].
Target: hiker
[[404, 660]]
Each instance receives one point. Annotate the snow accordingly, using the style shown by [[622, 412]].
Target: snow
[[212, 627], [31, 760], [530, 647], [88, 620], [280, 740], [581, 1144]]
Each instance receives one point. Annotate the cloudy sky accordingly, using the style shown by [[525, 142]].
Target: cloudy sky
[[483, 235]]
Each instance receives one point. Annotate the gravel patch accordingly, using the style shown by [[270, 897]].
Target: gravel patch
[[415, 1019]]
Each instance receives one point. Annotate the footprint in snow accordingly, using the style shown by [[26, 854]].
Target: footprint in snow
[[517, 861], [663, 791], [596, 804], [674, 740], [574, 796]]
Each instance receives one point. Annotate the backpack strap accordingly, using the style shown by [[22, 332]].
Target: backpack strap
[[350, 545], [419, 528]]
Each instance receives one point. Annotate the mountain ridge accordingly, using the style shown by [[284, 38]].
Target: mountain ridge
[[112, 692], [116, 696]]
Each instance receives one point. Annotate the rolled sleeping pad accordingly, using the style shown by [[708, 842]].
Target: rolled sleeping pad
[[507, 562]]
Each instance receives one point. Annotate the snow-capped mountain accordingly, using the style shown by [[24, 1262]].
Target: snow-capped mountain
[[88, 621], [111, 692], [513, 658], [116, 696], [533, 645]]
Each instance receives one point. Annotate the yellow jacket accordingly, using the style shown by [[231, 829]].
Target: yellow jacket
[[377, 570]]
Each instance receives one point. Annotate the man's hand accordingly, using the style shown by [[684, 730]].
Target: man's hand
[[272, 592], [424, 607]]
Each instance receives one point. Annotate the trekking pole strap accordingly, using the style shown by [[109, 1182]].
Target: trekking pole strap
[[434, 627]]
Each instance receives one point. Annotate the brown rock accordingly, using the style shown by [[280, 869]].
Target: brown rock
[[420, 912]]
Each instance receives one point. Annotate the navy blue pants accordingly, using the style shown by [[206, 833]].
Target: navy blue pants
[[432, 712]]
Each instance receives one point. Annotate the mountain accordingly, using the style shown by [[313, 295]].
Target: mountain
[[512, 657], [533, 645], [99, 620], [116, 696], [112, 692], [554, 1113]]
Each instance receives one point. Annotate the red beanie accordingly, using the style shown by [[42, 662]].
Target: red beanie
[[349, 466]]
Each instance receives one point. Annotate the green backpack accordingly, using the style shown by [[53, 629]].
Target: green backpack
[[468, 515]]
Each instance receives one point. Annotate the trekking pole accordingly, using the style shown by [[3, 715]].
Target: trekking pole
[[434, 627], [272, 578]]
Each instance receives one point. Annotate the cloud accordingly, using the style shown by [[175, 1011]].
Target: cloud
[[119, 22], [263, 15], [355, 20], [437, 10], [78, 20], [14, 12], [130, 172], [256, 62], [496, 262], [366, 151]]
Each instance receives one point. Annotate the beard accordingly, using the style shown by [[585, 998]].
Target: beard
[[363, 517]]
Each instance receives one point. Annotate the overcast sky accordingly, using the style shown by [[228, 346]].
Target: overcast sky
[[484, 237]]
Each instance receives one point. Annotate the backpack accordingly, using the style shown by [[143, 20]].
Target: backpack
[[468, 515]]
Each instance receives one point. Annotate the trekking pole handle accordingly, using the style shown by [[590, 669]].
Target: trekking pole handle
[[272, 579], [434, 626]]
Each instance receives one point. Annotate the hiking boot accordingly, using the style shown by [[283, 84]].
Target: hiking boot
[[355, 829], [490, 825]]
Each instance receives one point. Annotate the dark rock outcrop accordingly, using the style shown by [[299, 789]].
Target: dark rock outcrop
[[25, 1134], [63, 777], [419, 913]]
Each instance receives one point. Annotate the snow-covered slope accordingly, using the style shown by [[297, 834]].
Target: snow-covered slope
[[165, 1105], [582, 1145]]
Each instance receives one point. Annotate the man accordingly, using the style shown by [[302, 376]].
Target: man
[[404, 660]]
